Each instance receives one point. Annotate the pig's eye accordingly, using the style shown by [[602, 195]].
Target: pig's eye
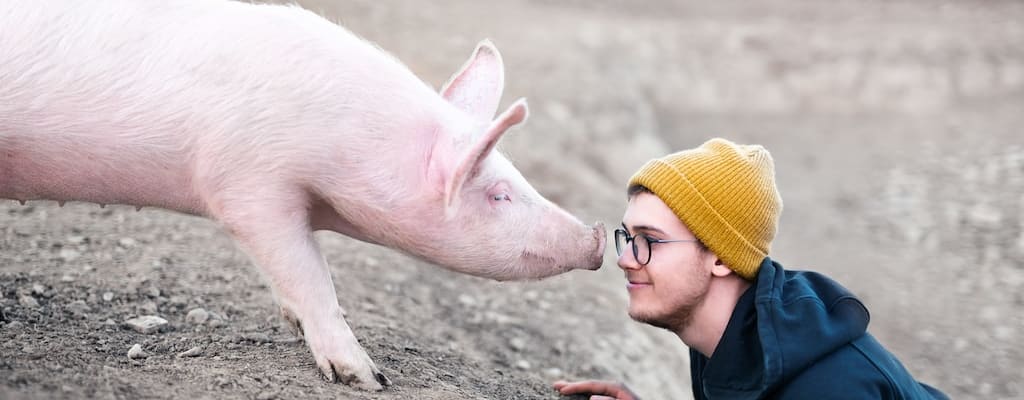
[[502, 197]]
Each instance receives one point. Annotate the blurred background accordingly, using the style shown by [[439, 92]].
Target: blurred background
[[895, 129]]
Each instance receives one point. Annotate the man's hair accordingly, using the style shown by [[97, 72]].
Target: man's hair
[[636, 189]]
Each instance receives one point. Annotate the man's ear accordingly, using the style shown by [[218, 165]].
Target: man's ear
[[719, 269]]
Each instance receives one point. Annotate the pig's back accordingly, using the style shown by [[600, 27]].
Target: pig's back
[[120, 100]]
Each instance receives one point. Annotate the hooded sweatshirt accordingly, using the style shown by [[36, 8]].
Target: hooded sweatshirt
[[800, 335]]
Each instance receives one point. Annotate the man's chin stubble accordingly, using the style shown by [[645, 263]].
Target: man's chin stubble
[[674, 322]]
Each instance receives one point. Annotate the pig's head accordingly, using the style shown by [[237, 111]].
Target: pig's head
[[491, 222]]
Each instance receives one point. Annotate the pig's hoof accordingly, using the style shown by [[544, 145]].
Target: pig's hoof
[[376, 381], [339, 356]]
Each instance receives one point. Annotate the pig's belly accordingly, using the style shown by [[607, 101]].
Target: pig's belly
[[54, 168]]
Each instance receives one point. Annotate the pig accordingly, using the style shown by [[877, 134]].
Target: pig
[[275, 123]]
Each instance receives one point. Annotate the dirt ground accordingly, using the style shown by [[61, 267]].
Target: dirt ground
[[895, 127]]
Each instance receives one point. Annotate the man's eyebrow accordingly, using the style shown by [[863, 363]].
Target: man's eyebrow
[[643, 228]]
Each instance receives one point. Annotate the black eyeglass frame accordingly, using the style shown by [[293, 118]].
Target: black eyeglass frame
[[627, 238]]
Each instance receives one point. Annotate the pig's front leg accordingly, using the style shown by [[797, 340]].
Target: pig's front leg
[[279, 239]]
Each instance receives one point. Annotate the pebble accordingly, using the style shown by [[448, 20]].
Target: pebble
[[267, 396], [136, 352], [38, 289], [146, 324], [28, 301], [523, 365], [193, 352], [518, 344], [14, 325], [126, 242], [69, 254], [77, 307], [257, 337], [31, 352], [66, 278], [153, 292], [467, 300], [148, 307], [108, 296], [197, 316], [553, 373], [287, 340]]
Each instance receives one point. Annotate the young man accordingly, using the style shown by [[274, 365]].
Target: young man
[[694, 245]]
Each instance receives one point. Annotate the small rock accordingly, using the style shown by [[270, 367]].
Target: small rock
[[268, 396], [126, 242], [13, 325], [136, 352], [1003, 333], [287, 340], [193, 352], [148, 307], [69, 254], [257, 337], [178, 301], [146, 324], [197, 316], [553, 373], [66, 278], [77, 307], [38, 289], [523, 365], [28, 301], [108, 296], [960, 344], [76, 239], [153, 292], [467, 300], [518, 344]]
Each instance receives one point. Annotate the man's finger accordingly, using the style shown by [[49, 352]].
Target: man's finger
[[586, 387]]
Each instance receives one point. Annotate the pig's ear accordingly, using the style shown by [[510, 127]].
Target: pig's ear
[[485, 144], [476, 88]]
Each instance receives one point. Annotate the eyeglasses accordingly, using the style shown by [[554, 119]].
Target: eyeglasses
[[641, 244]]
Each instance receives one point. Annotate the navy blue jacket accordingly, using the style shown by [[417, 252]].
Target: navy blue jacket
[[800, 335]]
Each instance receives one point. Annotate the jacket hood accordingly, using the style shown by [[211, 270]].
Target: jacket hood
[[785, 322]]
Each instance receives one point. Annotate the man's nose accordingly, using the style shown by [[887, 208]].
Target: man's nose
[[627, 261]]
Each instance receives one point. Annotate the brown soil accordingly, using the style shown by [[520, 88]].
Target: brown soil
[[894, 126]]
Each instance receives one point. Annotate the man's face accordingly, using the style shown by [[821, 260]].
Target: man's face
[[667, 290]]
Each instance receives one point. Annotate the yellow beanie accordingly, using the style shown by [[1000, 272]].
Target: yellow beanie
[[725, 194]]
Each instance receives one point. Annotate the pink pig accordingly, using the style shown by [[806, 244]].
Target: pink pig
[[275, 123]]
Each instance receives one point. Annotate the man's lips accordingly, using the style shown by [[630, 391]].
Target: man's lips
[[632, 285]]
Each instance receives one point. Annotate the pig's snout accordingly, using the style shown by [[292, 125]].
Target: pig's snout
[[597, 257]]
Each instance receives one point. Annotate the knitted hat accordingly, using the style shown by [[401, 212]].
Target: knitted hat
[[725, 194]]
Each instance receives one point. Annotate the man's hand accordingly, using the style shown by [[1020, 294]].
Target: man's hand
[[598, 389]]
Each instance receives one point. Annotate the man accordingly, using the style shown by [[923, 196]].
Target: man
[[694, 245]]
